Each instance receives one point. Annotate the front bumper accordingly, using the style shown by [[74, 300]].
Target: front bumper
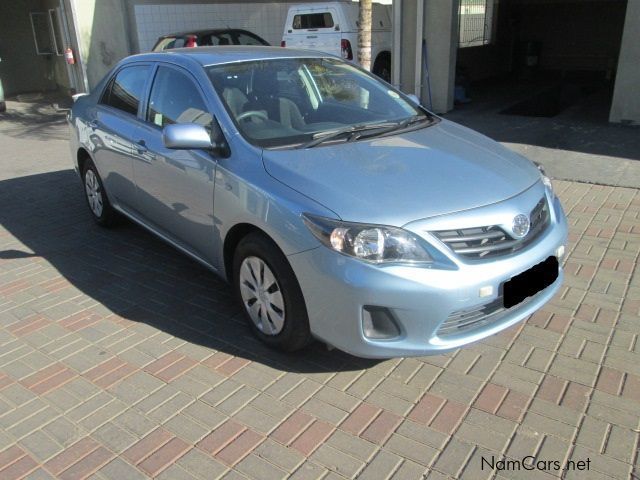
[[337, 288]]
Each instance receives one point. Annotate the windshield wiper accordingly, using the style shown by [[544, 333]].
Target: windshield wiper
[[407, 122], [322, 137]]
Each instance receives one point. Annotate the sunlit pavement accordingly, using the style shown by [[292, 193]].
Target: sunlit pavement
[[122, 359]]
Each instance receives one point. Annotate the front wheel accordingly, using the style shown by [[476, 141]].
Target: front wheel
[[270, 294]]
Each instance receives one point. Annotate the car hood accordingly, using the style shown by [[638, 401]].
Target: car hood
[[397, 179]]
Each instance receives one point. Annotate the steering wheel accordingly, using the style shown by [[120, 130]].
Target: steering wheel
[[252, 113]]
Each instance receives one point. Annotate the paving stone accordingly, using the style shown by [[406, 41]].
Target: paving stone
[[118, 469], [201, 465], [381, 466], [352, 445], [255, 467], [337, 461], [288, 459], [407, 448], [115, 438], [115, 363]]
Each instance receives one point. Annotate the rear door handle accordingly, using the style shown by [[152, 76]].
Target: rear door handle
[[141, 147]]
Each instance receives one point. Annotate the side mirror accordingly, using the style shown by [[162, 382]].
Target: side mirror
[[186, 136], [414, 98], [192, 136]]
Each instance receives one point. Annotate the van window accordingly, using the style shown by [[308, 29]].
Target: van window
[[313, 20]]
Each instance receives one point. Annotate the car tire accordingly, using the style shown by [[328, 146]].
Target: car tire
[[270, 295], [96, 196]]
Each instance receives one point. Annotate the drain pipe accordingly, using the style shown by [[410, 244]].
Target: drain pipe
[[417, 88], [396, 59]]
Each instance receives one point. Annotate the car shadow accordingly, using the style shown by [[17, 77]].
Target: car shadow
[[136, 276]]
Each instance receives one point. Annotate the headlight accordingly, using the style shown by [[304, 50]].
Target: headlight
[[371, 243], [543, 175]]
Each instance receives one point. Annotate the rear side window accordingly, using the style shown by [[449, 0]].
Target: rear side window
[[246, 39], [217, 39], [126, 89], [176, 99], [313, 20]]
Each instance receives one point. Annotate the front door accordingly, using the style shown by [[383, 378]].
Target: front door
[[175, 187]]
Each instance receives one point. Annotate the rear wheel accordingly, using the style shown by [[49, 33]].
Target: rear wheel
[[270, 294], [99, 206]]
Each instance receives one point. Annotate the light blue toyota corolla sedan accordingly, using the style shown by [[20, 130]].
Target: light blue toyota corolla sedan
[[335, 205]]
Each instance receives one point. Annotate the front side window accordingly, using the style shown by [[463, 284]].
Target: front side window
[[281, 102], [313, 21], [126, 89], [176, 99]]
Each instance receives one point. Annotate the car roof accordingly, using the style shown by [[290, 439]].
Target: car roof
[[213, 31], [206, 56]]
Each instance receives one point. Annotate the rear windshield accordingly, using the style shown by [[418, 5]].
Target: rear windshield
[[168, 42], [313, 20]]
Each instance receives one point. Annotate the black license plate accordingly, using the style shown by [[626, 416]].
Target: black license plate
[[530, 282]]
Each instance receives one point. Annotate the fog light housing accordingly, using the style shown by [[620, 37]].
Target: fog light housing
[[560, 253], [378, 323]]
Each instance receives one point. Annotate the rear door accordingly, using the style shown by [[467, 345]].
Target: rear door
[[315, 28], [112, 130]]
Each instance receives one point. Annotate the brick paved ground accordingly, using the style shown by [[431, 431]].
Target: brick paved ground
[[122, 359]]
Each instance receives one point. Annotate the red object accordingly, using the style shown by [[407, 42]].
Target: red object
[[68, 56], [283, 43], [345, 46], [192, 41]]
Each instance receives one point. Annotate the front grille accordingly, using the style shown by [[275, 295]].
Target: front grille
[[464, 320], [482, 242]]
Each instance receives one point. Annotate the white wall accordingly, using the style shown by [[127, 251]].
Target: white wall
[[625, 107], [264, 19]]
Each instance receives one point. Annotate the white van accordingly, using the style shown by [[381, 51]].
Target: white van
[[332, 27]]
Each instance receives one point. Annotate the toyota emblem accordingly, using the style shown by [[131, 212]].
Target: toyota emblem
[[521, 225]]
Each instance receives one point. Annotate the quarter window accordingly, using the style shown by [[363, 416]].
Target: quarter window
[[313, 21], [126, 89], [176, 99]]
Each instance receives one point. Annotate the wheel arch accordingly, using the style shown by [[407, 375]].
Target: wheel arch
[[82, 155], [233, 238]]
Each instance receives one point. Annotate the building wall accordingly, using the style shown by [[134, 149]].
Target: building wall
[[152, 21], [435, 84], [625, 106], [250, 18], [102, 34]]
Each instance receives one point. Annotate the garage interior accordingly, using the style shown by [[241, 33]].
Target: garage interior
[[539, 58]]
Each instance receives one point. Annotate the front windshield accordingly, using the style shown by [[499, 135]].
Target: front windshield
[[291, 101]]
